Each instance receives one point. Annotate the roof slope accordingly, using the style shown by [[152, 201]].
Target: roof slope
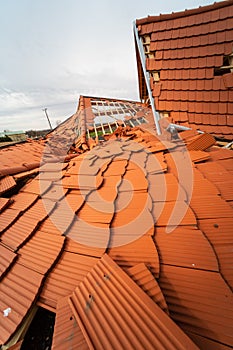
[[189, 61]]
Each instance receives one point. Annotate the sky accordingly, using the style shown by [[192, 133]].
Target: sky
[[53, 51]]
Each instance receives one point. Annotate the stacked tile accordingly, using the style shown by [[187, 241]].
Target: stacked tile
[[189, 58]]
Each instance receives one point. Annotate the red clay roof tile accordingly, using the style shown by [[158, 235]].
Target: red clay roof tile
[[189, 292], [7, 258], [219, 233], [18, 291], [8, 217], [6, 184], [67, 334], [142, 250], [23, 201], [211, 207], [173, 214], [65, 276], [4, 203], [91, 303], [19, 232], [202, 46], [201, 142], [41, 251], [177, 248], [144, 279]]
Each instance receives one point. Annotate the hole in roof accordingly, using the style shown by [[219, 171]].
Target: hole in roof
[[40, 332], [226, 67]]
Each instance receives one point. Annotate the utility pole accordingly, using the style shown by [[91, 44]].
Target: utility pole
[[45, 110]]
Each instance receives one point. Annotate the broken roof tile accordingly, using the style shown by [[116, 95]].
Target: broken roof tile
[[65, 276], [201, 142], [211, 207], [22, 201], [91, 303], [7, 218], [141, 250], [177, 248], [144, 279], [7, 258], [6, 184], [191, 297], [4, 203], [219, 233], [40, 252], [173, 214], [67, 333], [18, 291]]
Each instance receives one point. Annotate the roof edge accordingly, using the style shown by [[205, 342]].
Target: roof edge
[[185, 13]]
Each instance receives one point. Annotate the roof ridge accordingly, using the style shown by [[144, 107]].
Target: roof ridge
[[184, 13]]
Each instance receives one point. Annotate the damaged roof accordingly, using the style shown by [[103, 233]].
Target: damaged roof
[[133, 232], [126, 236], [188, 57]]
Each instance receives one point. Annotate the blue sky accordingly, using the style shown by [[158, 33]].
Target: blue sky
[[52, 51]]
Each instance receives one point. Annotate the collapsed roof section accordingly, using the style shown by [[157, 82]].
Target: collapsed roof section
[[122, 213], [99, 117], [185, 62]]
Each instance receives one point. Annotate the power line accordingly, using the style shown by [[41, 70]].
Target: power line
[[45, 110]]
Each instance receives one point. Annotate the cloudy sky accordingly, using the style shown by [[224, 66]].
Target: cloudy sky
[[51, 51]]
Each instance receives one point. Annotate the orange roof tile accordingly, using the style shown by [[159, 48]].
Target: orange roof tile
[[7, 258], [8, 217], [65, 276], [142, 250], [211, 207], [14, 159], [26, 174], [204, 343], [41, 251], [6, 184], [219, 233], [173, 214], [37, 187], [67, 333], [186, 248], [23, 201], [78, 248], [19, 232], [4, 203], [191, 297], [132, 320], [144, 279], [18, 291]]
